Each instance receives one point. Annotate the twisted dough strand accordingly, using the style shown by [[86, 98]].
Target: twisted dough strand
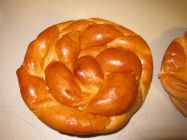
[[86, 76]]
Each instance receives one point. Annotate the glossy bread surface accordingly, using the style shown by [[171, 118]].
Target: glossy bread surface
[[86, 76], [173, 73]]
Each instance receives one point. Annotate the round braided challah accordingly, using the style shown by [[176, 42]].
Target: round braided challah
[[173, 75], [86, 76]]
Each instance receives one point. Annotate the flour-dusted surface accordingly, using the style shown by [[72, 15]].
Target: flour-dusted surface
[[157, 21]]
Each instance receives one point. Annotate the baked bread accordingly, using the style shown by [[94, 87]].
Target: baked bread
[[173, 74], [86, 76]]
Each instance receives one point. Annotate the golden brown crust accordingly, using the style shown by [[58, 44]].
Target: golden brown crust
[[173, 75], [86, 76]]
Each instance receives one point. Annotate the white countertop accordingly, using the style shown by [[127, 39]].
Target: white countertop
[[157, 21]]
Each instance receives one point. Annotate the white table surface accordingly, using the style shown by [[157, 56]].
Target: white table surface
[[157, 21]]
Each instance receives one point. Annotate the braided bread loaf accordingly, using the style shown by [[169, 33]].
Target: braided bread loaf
[[173, 75], [86, 76]]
